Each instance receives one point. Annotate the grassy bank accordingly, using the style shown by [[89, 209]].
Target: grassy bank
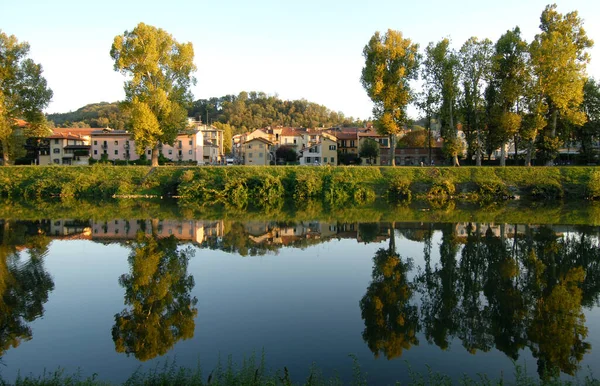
[[265, 186]]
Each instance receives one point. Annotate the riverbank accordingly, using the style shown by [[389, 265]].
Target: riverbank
[[240, 186]]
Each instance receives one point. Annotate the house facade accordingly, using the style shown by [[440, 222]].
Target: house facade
[[257, 151], [64, 149], [321, 153]]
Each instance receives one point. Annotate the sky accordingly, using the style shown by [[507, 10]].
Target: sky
[[294, 49]]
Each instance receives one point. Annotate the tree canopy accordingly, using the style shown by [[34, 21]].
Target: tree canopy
[[391, 62], [157, 90], [24, 93]]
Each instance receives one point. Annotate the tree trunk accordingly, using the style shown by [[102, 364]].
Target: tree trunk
[[5, 159], [455, 160], [529, 152], [553, 123], [155, 156], [478, 150], [503, 155], [392, 150]]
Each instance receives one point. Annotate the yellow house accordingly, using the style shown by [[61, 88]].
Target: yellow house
[[322, 153], [257, 151]]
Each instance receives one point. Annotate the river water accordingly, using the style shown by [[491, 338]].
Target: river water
[[110, 296]]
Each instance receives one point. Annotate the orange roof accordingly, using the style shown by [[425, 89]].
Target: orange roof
[[21, 123], [73, 130], [261, 140], [292, 132], [65, 136]]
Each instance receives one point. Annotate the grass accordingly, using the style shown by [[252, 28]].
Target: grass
[[252, 372]]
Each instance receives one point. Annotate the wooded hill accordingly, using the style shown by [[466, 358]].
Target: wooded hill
[[243, 112]]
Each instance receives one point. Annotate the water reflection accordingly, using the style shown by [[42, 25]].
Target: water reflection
[[24, 283], [391, 322], [160, 309], [513, 288]]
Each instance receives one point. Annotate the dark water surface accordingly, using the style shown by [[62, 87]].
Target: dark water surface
[[464, 298]]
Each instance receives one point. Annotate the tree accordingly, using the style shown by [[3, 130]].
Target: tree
[[590, 130], [286, 154], [440, 73], [369, 148], [24, 93], [509, 78], [559, 59], [391, 62], [416, 138], [475, 67], [157, 290], [227, 136], [159, 71]]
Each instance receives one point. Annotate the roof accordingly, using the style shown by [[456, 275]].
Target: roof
[[346, 135], [74, 130], [65, 136], [110, 132], [292, 132], [261, 140]]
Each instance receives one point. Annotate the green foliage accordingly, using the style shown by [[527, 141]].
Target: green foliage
[[399, 190], [24, 93], [252, 110], [391, 62], [594, 186], [369, 148], [442, 189], [101, 114], [160, 71], [286, 154]]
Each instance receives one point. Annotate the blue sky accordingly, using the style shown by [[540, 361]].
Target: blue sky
[[310, 49]]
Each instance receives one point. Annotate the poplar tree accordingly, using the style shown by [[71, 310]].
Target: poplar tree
[[559, 60], [391, 62], [440, 72], [157, 90]]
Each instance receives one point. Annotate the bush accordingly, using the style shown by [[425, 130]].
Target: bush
[[442, 189], [593, 186], [399, 189]]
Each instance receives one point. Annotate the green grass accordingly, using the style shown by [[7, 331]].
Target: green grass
[[252, 372]]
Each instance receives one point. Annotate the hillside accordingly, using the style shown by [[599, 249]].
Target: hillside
[[244, 112]]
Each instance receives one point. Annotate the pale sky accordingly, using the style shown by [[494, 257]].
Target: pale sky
[[304, 49]]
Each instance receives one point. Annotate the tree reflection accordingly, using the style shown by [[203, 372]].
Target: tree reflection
[[512, 291], [24, 282], [157, 290], [391, 322]]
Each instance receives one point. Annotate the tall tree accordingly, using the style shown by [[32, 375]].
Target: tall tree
[[24, 93], [509, 78], [391, 62], [475, 69], [159, 71], [440, 72], [559, 60], [589, 132]]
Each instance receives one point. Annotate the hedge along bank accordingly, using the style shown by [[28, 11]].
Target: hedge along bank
[[267, 185]]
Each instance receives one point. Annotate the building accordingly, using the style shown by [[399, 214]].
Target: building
[[321, 153], [257, 151], [64, 149]]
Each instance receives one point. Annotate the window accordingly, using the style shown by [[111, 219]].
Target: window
[[260, 155], [383, 141], [56, 150], [116, 152], [95, 143], [308, 160], [249, 146], [179, 143], [261, 146], [56, 161], [190, 142], [170, 151], [116, 142], [190, 152], [56, 141], [149, 152], [332, 159], [331, 147], [249, 155], [294, 141], [105, 151], [351, 143], [95, 152]]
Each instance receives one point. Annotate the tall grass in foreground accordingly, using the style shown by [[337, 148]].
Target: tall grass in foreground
[[253, 373]]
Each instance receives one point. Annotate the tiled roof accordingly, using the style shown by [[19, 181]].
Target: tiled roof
[[74, 131], [292, 132], [65, 136], [261, 140]]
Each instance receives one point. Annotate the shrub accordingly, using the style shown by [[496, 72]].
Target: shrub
[[593, 187], [399, 189], [442, 189]]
